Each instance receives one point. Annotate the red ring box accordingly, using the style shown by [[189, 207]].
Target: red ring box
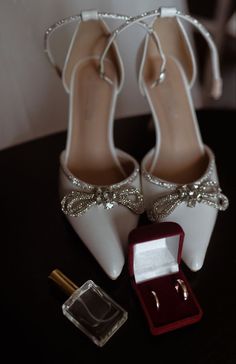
[[154, 265]]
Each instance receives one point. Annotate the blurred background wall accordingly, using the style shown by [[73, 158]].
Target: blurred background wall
[[33, 101], [220, 19]]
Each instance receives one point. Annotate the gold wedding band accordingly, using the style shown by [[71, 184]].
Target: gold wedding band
[[180, 284]]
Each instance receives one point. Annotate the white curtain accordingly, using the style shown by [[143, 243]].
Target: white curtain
[[33, 102]]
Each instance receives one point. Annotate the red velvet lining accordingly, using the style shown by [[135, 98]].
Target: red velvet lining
[[174, 312]]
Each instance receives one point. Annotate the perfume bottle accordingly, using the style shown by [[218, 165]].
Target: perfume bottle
[[90, 309]]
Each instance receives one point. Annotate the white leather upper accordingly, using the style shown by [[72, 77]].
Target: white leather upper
[[197, 222], [104, 232]]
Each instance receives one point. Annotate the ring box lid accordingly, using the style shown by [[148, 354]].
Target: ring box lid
[[155, 250]]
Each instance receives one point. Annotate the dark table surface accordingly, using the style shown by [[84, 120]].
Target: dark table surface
[[36, 238]]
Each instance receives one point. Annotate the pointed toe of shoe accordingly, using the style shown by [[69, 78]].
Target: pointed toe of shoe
[[114, 270], [193, 262], [105, 234], [101, 238], [104, 222], [198, 224], [196, 219]]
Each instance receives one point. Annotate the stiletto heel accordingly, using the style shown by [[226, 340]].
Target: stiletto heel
[[94, 176]]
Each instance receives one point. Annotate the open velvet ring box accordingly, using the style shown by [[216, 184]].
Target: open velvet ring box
[[163, 291]]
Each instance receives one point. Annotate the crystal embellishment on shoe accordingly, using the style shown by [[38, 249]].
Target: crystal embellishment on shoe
[[207, 192], [76, 203]]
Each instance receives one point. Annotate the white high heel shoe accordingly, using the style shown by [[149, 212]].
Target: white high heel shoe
[[179, 176], [99, 185]]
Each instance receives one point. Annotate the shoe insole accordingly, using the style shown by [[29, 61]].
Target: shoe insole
[[181, 157], [90, 156]]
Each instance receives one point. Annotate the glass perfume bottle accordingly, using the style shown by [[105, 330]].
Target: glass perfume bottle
[[90, 309]]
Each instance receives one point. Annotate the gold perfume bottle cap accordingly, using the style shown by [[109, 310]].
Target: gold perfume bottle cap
[[63, 282]]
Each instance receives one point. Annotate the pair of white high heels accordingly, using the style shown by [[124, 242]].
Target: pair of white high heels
[[100, 186]]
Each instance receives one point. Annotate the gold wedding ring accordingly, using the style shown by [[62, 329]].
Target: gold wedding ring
[[180, 284]]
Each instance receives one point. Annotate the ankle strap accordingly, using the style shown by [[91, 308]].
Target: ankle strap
[[165, 12], [83, 16], [129, 22], [216, 89]]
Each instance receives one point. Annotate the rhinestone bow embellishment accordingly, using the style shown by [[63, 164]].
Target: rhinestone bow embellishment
[[207, 192], [77, 202]]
